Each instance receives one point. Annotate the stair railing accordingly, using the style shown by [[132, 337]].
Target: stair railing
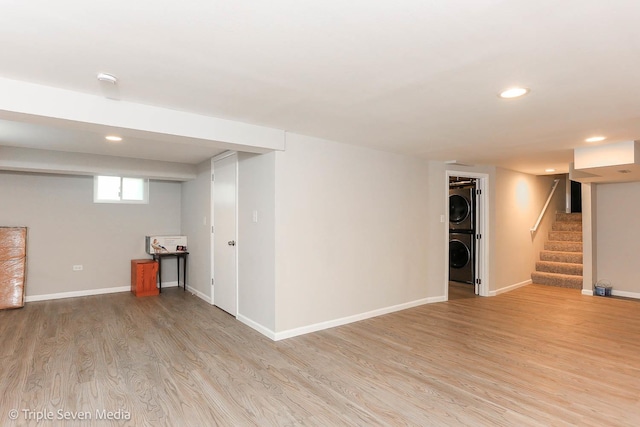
[[546, 205]]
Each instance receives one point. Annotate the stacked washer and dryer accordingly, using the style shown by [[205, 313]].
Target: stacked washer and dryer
[[462, 224]]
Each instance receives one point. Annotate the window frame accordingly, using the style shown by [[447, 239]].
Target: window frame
[[144, 201]]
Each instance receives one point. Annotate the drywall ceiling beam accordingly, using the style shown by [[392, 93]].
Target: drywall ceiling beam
[[618, 154], [73, 110], [60, 162]]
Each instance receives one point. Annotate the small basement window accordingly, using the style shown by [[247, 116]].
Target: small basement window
[[118, 189]]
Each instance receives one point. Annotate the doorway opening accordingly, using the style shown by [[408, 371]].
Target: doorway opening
[[462, 237], [466, 228], [576, 197]]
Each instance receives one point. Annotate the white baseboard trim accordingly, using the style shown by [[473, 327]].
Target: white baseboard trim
[[74, 294], [89, 292], [171, 284], [625, 294], [258, 327], [199, 294], [350, 319], [509, 288], [615, 293]]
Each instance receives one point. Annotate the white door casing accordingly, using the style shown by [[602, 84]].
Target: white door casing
[[477, 268]]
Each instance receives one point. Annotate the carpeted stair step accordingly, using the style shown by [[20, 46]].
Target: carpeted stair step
[[557, 256], [559, 267], [565, 236], [568, 217], [561, 260], [563, 246], [555, 279], [567, 226]]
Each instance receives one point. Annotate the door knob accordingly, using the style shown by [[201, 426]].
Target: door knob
[[231, 243]]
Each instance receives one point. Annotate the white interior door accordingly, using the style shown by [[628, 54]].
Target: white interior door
[[225, 267]]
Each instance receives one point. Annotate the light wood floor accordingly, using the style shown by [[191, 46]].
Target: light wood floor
[[535, 356], [459, 290]]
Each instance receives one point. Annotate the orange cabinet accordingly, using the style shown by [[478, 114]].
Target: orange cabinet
[[144, 277]]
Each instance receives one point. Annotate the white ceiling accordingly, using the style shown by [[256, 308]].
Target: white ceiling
[[414, 76]]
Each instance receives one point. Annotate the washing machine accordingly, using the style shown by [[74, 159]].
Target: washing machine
[[461, 257], [461, 208]]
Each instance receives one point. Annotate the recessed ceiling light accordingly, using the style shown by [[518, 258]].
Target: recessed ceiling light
[[514, 92], [550, 170], [104, 77], [596, 139], [113, 138]]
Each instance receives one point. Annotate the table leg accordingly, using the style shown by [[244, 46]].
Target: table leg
[[178, 264], [160, 274]]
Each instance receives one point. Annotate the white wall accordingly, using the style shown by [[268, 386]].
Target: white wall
[[256, 240], [66, 228], [436, 241], [618, 235], [351, 231], [518, 200], [196, 225]]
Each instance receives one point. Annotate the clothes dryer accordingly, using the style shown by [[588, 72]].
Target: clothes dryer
[[461, 257], [461, 208]]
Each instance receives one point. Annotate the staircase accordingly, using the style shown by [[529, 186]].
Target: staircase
[[561, 260]]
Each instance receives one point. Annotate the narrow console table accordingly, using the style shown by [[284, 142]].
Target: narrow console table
[[159, 256]]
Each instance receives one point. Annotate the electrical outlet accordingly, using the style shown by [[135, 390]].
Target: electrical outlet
[[77, 267]]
